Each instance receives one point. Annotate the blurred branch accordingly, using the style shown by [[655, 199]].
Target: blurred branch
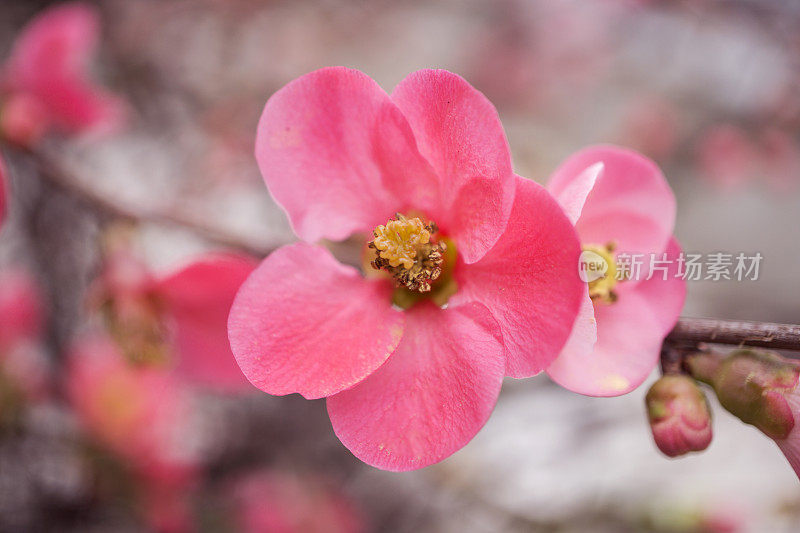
[[735, 332], [67, 182]]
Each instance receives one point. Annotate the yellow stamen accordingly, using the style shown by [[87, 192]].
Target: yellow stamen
[[599, 264], [399, 240], [403, 248]]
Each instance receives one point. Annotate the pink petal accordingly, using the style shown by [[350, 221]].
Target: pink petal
[[627, 349], [302, 322], [21, 313], [198, 299], [459, 132], [573, 195], [50, 61], [334, 149], [529, 281], [432, 395], [584, 332], [665, 297], [60, 39], [631, 202]]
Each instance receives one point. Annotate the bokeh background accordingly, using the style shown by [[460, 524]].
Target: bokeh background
[[709, 90]]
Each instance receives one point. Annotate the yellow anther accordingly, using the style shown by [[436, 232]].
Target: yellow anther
[[399, 240], [403, 248], [599, 263]]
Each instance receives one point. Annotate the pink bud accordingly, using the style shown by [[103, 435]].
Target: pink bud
[[760, 388], [679, 415]]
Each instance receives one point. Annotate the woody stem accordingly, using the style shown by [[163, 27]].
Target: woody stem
[[735, 332]]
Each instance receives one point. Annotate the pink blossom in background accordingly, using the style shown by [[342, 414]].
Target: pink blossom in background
[[618, 199], [780, 159], [283, 502], [727, 156], [177, 319], [23, 362], [730, 157], [3, 201], [144, 417], [405, 388], [45, 82], [21, 312], [650, 126]]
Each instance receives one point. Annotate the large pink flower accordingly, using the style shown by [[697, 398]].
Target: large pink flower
[[45, 82], [410, 384], [178, 319], [620, 204]]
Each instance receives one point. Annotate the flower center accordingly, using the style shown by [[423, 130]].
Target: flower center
[[599, 268], [404, 249]]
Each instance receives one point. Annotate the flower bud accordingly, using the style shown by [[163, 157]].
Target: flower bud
[[679, 415], [761, 389]]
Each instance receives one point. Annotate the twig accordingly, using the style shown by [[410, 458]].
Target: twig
[[64, 180], [736, 332]]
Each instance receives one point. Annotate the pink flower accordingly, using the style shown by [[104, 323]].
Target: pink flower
[[620, 204], [727, 156], [137, 412], [21, 311], [405, 387], [144, 416], [45, 84], [177, 319], [651, 126], [679, 415], [23, 362], [281, 502]]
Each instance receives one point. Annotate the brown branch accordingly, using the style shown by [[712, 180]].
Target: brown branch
[[735, 332], [68, 183]]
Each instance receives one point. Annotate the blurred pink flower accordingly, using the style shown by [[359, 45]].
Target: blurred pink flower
[[650, 126], [21, 311], [620, 204], [281, 502], [138, 412], [780, 159], [3, 201], [405, 388], [679, 415], [177, 319], [727, 156], [45, 83], [730, 157], [23, 362]]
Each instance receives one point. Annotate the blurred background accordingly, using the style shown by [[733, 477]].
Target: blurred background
[[709, 90]]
